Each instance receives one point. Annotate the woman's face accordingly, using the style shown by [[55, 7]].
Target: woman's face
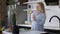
[[38, 7]]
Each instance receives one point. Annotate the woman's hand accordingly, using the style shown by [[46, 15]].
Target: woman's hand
[[34, 18]]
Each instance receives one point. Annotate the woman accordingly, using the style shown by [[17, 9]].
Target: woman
[[38, 18]]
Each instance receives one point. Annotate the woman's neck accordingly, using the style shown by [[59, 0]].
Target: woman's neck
[[38, 11]]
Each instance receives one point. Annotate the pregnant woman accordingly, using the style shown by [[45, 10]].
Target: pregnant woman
[[38, 17]]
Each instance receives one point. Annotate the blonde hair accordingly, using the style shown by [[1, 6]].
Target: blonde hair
[[42, 7]]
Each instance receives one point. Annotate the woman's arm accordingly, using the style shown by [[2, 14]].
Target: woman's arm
[[43, 18], [29, 17], [34, 19]]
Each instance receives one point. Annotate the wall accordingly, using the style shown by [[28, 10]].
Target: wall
[[3, 11]]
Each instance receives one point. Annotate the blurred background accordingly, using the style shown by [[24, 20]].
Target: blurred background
[[16, 12]]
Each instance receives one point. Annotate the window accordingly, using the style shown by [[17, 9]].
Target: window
[[52, 2]]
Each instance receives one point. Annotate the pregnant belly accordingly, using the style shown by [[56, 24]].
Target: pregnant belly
[[34, 23], [36, 26], [38, 23]]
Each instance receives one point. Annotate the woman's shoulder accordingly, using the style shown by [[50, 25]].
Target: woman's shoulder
[[42, 14]]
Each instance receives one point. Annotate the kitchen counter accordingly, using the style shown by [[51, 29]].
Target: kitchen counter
[[45, 27], [27, 32]]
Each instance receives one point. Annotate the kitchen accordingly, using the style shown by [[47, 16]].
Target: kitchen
[[22, 10]]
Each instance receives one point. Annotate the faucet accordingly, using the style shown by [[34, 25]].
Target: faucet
[[56, 17]]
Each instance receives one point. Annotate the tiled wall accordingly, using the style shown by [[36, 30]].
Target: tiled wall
[[21, 15]]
